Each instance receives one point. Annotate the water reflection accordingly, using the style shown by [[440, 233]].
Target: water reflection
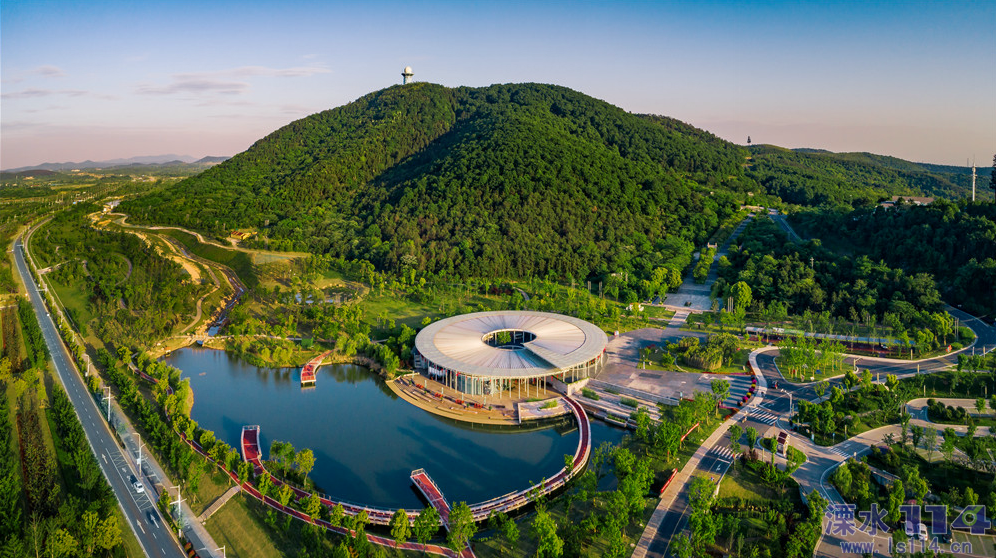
[[367, 444]]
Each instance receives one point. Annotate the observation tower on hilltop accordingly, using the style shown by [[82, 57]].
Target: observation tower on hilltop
[[407, 75]]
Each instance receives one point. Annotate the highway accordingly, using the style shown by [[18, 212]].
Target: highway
[[118, 468]]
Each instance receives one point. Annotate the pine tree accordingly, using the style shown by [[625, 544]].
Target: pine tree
[[992, 177]]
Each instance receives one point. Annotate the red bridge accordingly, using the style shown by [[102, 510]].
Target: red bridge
[[308, 372], [432, 493], [250, 447]]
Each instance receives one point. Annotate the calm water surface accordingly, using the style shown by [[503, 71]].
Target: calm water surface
[[366, 440]]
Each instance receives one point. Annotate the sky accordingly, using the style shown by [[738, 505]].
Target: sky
[[115, 79]]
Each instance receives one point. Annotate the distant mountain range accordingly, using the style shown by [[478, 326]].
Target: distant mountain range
[[169, 159]]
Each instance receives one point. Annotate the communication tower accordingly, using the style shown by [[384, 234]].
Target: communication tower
[[407, 75], [973, 180]]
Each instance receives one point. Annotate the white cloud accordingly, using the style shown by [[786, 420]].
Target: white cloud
[[226, 82], [49, 71], [195, 86], [34, 93]]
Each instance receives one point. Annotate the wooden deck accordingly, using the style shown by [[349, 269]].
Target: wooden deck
[[308, 372]]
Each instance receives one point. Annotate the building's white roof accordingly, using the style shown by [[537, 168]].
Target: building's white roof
[[457, 343]]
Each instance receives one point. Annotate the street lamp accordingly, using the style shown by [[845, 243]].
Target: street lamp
[[140, 446], [108, 399], [179, 516]]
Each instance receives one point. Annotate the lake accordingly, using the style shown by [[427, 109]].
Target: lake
[[366, 440]]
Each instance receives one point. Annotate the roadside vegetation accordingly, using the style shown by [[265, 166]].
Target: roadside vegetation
[[53, 498], [757, 511], [955, 242], [803, 278]]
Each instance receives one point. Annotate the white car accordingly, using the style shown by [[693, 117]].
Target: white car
[[922, 535], [139, 487]]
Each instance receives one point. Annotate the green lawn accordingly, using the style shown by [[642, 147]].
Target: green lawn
[[240, 526], [75, 302], [491, 547], [212, 485], [743, 482], [241, 532]]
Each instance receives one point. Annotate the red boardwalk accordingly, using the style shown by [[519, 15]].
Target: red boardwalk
[[308, 372], [250, 447], [432, 493]]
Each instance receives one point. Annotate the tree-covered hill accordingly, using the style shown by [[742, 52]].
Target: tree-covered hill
[[816, 177], [508, 180], [956, 243]]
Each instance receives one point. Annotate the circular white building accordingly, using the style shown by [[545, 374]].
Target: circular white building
[[487, 353]]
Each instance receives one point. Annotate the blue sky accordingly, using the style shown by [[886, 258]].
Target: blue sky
[[99, 80]]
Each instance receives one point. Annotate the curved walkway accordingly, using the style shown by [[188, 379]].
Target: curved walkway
[[379, 516]]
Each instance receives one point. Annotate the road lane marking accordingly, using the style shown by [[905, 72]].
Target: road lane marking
[[140, 526]]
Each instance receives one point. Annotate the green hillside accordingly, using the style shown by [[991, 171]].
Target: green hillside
[[508, 180], [816, 177]]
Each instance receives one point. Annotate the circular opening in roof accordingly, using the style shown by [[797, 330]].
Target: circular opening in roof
[[511, 339]]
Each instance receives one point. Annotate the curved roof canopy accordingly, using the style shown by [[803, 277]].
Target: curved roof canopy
[[560, 342]]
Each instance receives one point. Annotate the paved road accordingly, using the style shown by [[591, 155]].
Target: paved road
[[770, 411], [822, 461], [117, 467], [695, 296], [713, 465], [879, 367], [779, 220]]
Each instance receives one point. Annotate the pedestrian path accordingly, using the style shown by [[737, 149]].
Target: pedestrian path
[[763, 417], [216, 505], [695, 296], [840, 452], [726, 454]]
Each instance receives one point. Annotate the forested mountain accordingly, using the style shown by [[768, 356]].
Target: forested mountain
[[956, 243], [507, 180], [816, 177]]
